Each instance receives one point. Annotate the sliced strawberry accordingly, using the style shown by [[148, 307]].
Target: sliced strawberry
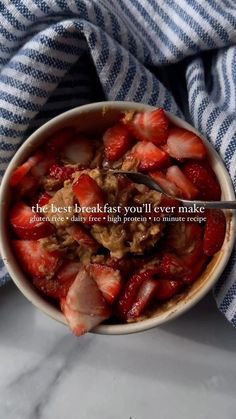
[[183, 238], [150, 126], [107, 279], [84, 306], [82, 236], [27, 186], [79, 150], [172, 267], [89, 194], [44, 199], [41, 169], [145, 295], [149, 156], [61, 172], [67, 271], [169, 187], [87, 191], [24, 225], [35, 259], [196, 268], [126, 265], [175, 175], [167, 289], [117, 140], [130, 290], [214, 232], [183, 144], [204, 179], [167, 202], [59, 139], [22, 170], [58, 286]]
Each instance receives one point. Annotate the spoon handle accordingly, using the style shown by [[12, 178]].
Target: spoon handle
[[210, 204], [152, 184]]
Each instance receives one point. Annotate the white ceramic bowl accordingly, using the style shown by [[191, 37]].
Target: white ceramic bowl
[[91, 118]]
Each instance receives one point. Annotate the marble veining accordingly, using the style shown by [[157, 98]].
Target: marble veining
[[182, 369]]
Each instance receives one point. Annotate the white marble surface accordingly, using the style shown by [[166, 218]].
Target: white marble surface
[[182, 370]]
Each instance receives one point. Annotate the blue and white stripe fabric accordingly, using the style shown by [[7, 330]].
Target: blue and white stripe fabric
[[178, 54]]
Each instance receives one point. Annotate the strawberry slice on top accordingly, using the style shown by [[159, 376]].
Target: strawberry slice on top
[[172, 267], [19, 173], [168, 288], [143, 299], [89, 194], [87, 191], [183, 144], [35, 259], [150, 126], [79, 151], [169, 187], [58, 286], [107, 279], [27, 186], [59, 139], [43, 199], [182, 238], [83, 236], [214, 233], [130, 290], [149, 156], [117, 140], [61, 172], [204, 179], [174, 174], [24, 224]]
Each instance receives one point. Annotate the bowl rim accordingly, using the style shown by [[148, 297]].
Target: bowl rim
[[20, 279]]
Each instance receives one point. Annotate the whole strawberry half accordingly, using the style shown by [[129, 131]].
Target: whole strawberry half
[[214, 232], [150, 126], [84, 306], [24, 224], [204, 179], [117, 140]]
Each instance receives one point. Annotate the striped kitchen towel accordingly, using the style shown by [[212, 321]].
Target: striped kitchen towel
[[178, 54]]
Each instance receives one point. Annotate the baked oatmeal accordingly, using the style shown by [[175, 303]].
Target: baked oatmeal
[[101, 246]]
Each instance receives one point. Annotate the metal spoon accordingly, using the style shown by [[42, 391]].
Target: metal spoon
[[150, 183]]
